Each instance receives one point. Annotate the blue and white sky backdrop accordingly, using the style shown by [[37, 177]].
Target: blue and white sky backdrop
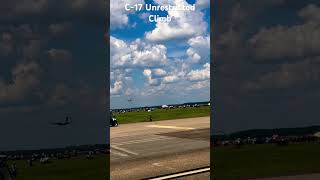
[[156, 63]]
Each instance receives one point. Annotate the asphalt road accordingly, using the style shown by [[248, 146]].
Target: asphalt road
[[144, 150]]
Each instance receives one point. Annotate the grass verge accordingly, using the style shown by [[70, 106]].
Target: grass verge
[[162, 114]]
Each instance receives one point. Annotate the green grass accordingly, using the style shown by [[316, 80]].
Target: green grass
[[229, 163], [69, 169], [162, 114], [255, 161]]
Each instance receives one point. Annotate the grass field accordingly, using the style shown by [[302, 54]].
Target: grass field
[[71, 169], [256, 161], [229, 163], [162, 114]]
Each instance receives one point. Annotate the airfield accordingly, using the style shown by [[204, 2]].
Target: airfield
[[151, 149]]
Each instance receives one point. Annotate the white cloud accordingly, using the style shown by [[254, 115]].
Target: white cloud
[[199, 85], [162, 75], [118, 15], [137, 54], [160, 72], [151, 81], [199, 50], [184, 24], [117, 88], [147, 72], [200, 41], [149, 55], [121, 82], [170, 79], [120, 53], [194, 56], [199, 75]]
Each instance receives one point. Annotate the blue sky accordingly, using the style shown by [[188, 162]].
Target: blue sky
[[163, 62]]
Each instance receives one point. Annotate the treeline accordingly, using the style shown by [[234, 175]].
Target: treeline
[[260, 133]]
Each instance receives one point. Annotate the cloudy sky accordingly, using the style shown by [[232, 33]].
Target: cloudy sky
[[159, 63], [53, 63], [266, 64]]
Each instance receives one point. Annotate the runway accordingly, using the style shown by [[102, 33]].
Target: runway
[[151, 149]]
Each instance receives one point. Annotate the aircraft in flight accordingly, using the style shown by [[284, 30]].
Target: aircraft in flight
[[66, 122]]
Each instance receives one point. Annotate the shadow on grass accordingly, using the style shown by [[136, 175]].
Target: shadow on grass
[[256, 161]]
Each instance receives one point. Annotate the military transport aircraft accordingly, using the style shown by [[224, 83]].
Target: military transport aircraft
[[66, 122]]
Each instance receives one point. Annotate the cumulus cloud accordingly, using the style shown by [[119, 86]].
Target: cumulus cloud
[[21, 42], [199, 50], [149, 55], [147, 72], [199, 75], [304, 73], [184, 24], [170, 79], [35, 68], [118, 15], [59, 55], [121, 82], [137, 54], [25, 83], [33, 62], [289, 42], [310, 13], [59, 28], [199, 85], [120, 53], [158, 72], [151, 80], [155, 76], [179, 73], [21, 10], [117, 88]]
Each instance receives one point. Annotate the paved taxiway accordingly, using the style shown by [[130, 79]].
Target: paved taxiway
[[149, 149]]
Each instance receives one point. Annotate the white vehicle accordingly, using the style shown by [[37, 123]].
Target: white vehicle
[[164, 106]]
